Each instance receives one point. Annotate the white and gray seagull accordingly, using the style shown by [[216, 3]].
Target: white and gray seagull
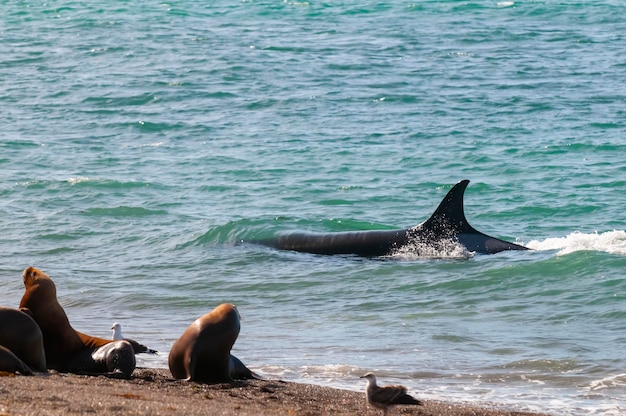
[[384, 397]]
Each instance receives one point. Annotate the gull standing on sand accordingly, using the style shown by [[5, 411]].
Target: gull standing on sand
[[137, 347], [384, 397]]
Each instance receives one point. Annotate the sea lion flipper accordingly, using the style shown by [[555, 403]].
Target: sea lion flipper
[[239, 371], [140, 348], [11, 363]]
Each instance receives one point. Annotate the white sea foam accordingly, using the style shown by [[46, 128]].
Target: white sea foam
[[613, 242], [618, 380], [78, 179], [336, 375], [505, 4]]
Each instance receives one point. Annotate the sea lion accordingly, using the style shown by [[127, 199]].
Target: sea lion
[[21, 335], [202, 353], [66, 349], [11, 363]]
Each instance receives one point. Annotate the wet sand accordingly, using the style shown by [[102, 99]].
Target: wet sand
[[154, 392]]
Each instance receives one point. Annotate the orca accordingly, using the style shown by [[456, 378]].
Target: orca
[[446, 225]]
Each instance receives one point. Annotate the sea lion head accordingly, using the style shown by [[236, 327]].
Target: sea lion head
[[34, 279], [220, 327], [227, 313], [40, 294]]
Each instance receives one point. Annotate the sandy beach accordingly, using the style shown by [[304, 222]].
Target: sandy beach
[[154, 392]]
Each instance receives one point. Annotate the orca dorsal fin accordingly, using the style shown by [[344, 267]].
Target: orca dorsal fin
[[449, 217]]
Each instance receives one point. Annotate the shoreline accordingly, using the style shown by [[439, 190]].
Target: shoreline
[[152, 391]]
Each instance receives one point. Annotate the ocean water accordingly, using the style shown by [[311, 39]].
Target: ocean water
[[142, 141]]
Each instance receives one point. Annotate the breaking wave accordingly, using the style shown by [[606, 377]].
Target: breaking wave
[[613, 242]]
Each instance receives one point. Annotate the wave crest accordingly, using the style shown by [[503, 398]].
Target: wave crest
[[613, 242]]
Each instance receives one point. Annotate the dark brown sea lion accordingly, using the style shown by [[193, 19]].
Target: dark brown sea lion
[[202, 353], [21, 335], [68, 350]]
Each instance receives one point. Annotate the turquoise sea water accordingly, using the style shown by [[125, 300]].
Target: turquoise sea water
[[141, 141]]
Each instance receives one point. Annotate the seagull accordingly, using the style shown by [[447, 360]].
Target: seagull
[[386, 396], [117, 331], [137, 347]]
